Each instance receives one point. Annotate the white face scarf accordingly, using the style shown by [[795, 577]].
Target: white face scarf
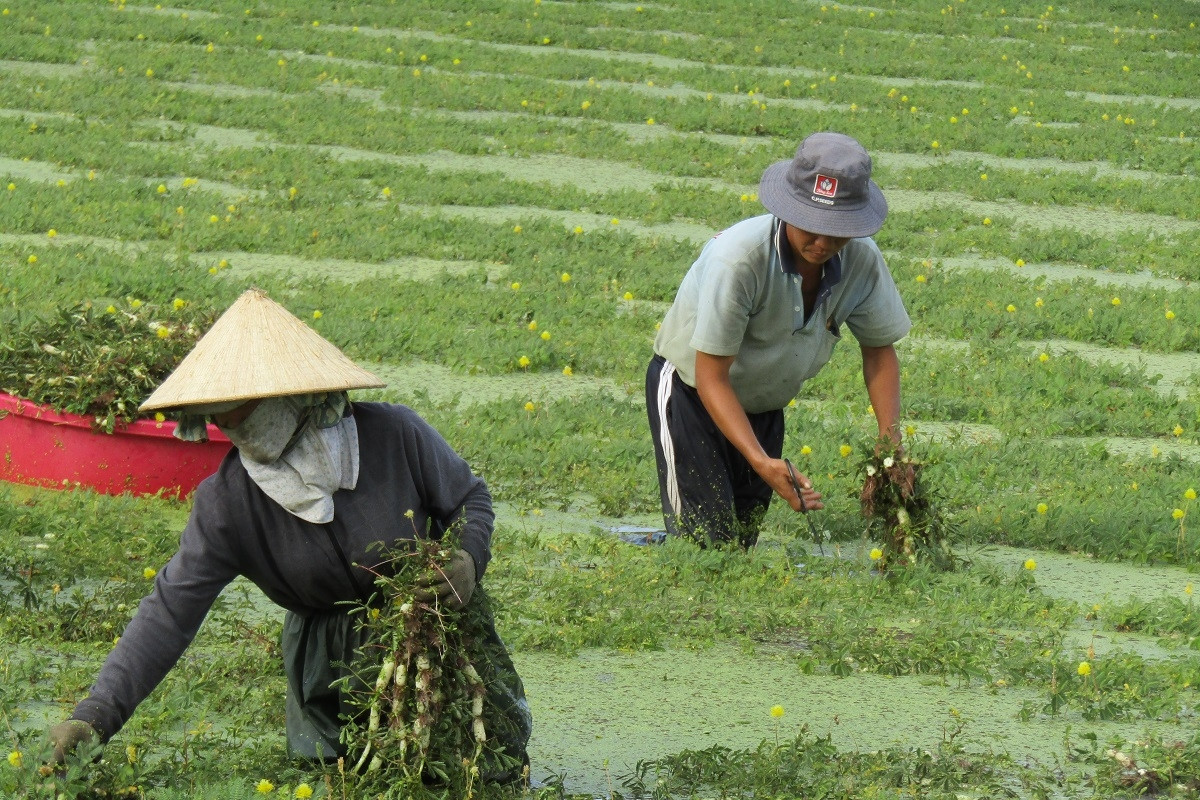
[[303, 477]]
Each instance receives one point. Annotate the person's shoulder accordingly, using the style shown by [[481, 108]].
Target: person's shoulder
[[225, 492], [742, 246], [862, 254]]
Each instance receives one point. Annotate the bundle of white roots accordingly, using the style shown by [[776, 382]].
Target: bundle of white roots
[[409, 697]]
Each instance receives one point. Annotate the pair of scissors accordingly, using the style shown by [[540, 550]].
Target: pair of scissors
[[804, 506]]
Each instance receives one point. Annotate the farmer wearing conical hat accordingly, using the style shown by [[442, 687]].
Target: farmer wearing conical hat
[[757, 315], [314, 486]]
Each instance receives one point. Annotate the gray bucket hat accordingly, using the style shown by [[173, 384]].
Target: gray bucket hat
[[826, 189]]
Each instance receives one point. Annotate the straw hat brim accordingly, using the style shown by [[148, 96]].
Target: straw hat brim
[[257, 348], [778, 195]]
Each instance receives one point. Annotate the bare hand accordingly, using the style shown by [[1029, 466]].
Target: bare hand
[[780, 478]]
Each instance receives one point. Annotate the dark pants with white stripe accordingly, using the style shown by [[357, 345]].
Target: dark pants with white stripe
[[709, 491]]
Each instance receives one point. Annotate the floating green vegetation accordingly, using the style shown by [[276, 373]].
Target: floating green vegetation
[[509, 193]]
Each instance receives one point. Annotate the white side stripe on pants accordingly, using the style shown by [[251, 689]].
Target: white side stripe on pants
[[665, 382]]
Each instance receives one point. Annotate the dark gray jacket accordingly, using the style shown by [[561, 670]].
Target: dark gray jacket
[[235, 529]]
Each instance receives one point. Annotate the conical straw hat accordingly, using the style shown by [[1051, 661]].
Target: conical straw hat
[[257, 348]]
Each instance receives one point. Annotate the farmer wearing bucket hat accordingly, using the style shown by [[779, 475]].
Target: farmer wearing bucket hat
[[314, 486], [757, 315]]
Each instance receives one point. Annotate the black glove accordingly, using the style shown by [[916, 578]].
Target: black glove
[[66, 736], [453, 584]]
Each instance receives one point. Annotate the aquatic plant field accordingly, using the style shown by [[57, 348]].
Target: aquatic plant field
[[490, 205]]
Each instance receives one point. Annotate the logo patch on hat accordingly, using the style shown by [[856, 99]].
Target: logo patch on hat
[[825, 186]]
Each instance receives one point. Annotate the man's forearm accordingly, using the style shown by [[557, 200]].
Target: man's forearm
[[881, 374]]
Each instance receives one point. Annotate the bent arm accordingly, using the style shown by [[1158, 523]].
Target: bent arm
[[721, 402]]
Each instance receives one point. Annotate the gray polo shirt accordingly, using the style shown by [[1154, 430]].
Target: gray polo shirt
[[738, 300]]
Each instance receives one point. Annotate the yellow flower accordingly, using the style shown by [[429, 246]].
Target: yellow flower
[[1010, 308], [920, 279], [1030, 564], [1020, 262], [1190, 494], [158, 415], [1177, 514], [776, 711], [516, 228], [304, 790], [111, 310], [578, 229], [387, 191], [317, 314], [845, 450], [987, 220], [529, 406], [264, 787], [1170, 314], [12, 187], [532, 325], [163, 332], [568, 371], [876, 554], [1042, 508], [32, 259], [178, 303], [545, 336], [627, 296], [1177, 430], [565, 277], [614, 221], [162, 189], [805, 450], [1187, 590], [515, 286], [149, 73], [934, 144], [15, 758], [585, 105], [1116, 301], [52, 233], [149, 572], [650, 121], [523, 362], [223, 264], [1044, 357], [1039, 303], [1084, 668]]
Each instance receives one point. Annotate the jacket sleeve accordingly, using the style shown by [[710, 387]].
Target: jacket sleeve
[[166, 620], [451, 493]]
